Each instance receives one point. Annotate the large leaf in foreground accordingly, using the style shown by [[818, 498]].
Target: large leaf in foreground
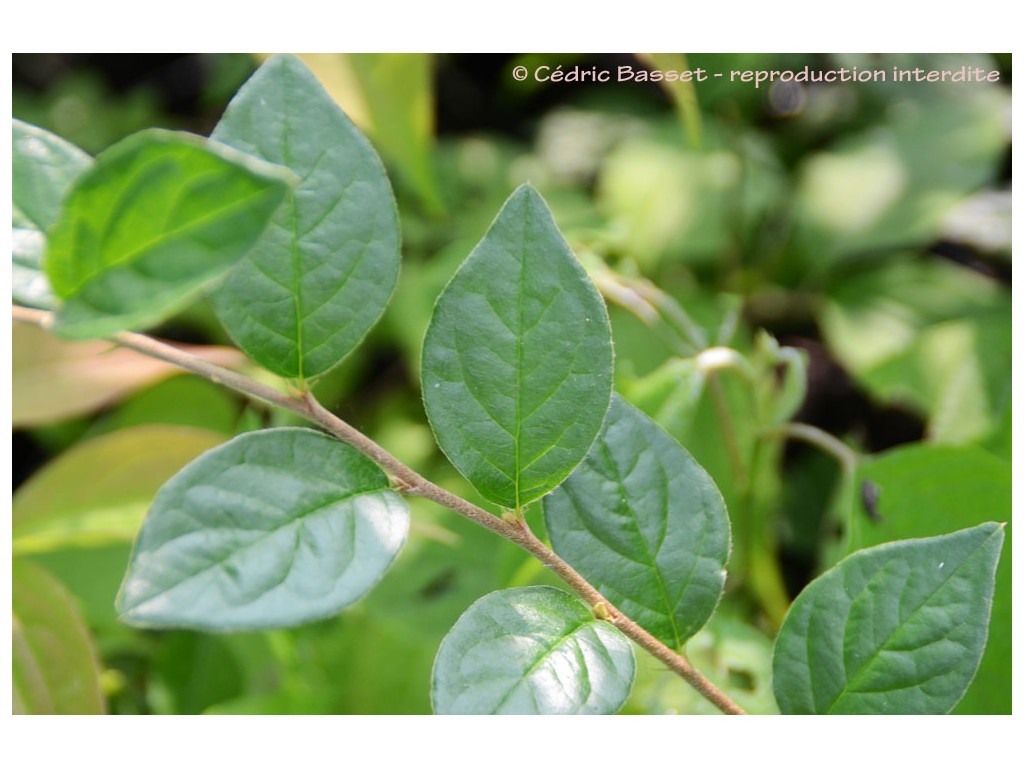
[[517, 360], [324, 270], [273, 528], [43, 166], [532, 651], [55, 670], [645, 524], [157, 217], [895, 629]]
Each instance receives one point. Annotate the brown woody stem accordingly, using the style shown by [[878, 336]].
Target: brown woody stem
[[410, 482]]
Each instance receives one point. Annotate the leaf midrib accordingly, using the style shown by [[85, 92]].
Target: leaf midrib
[[255, 543], [541, 658], [296, 265], [620, 484], [130, 259], [850, 682], [519, 357]]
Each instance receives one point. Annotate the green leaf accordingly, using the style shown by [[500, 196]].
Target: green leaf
[[322, 273], [273, 528], [389, 96], [929, 490], [188, 401], [895, 629], [43, 167], [532, 651], [517, 359], [98, 491], [155, 219], [55, 667], [645, 524]]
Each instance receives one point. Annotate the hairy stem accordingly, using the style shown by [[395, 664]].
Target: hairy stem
[[411, 482]]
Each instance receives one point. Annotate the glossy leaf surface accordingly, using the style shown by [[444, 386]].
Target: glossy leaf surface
[[895, 629], [532, 651], [273, 528], [157, 217], [55, 671], [324, 270], [517, 359], [43, 166], [645, 524]]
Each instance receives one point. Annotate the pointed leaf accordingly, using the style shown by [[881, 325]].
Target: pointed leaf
[[930, 490], [894, 629], [517, 360], [322, 273], [273, 528], [645, 524], [532, 651], [55, 667], [43, 167], [157, 217]]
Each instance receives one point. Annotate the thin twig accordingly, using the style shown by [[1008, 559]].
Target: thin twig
[[410, 482]]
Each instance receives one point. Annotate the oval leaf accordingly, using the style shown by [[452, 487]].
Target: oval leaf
[[517, 360], [322, 273], [55, 670], [273, 528], [894, 629], [43, 166], [645, 524], [157, 217], [532, 651]]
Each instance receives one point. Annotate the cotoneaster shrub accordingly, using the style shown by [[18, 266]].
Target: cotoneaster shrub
[[285, 218]]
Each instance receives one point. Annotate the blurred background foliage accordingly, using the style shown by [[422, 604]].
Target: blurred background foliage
[[849, 242]]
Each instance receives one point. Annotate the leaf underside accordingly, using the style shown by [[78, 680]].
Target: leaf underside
[[274, 528], [532, 651], [645, 524], [323, 271], [894, 629], [43, 166], [156, 218], [517, 359]]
